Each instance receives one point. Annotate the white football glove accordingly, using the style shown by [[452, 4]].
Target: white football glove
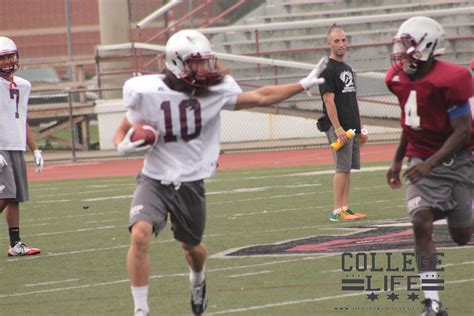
[[39, 161], [3, 162], [126, 146], [313, 78]]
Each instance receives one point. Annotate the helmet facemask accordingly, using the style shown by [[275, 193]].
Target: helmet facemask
[[201, 70], [405, 54]]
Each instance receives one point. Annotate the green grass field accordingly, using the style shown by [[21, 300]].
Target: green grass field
[[81, 226]]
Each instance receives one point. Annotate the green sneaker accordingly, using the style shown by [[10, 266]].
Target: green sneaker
[[342, 215]]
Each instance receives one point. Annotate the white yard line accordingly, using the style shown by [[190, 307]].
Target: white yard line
[[51, 282], [81, 230], [259, 189], [249, 274]]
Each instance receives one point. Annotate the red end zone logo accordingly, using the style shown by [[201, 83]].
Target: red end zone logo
[[362, 239]]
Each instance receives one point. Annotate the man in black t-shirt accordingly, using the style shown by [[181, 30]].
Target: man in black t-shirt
[[340, 105]]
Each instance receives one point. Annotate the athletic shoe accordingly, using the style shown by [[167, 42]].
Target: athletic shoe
[[21, 249], [342, 215], [359, 215], [199, 298], [428, 309], [140, 313]]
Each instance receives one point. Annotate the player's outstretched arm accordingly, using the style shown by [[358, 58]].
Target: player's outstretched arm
[[269, 95]]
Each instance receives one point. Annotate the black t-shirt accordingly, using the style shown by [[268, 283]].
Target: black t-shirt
[[340, 81]]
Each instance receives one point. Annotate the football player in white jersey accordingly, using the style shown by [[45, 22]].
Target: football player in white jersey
[[15, 134], [183, 106]]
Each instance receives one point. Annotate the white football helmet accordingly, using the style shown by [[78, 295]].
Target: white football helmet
[[418, 39], [9, 59], [189, 45]]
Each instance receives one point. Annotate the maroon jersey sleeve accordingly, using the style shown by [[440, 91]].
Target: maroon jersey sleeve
[[456, 83]]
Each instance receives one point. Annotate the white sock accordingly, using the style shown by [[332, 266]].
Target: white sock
[[196, 278], [432, 295], [345, 208], [140, 298], [336, 210]]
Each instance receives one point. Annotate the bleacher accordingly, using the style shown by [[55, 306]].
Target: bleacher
[[370, 29]]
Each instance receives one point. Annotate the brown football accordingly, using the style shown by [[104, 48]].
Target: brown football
[[146, 132]]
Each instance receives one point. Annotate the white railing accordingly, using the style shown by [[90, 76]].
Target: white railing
[[223, 56], [347, 20], [164, 9]]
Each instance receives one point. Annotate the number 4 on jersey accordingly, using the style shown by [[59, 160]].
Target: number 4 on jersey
[[411, 112]]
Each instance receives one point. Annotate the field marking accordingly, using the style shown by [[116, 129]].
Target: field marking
[[310, 300], [54, 201], [33, 225], [81, 192], [51, 282], [80, 230], [117, 197], [305, 174], [259, 189], [71, 216], [104, 221], [249, 274], [456, 264]]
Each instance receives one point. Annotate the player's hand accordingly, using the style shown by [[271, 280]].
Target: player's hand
[[313, 78], [341, 134], [3, 162], [416, 172], [39, 161], [126, 146], [393, 175]]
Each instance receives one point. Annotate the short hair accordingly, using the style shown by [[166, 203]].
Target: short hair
[[332, 28]]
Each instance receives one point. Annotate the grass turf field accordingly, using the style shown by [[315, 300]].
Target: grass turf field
[[81, 226]]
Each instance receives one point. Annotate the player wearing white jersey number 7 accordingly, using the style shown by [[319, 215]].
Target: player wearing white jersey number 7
[[15, 134], [184, 106]]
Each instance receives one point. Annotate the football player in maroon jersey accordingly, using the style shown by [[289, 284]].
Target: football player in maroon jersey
[[436, 138]]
